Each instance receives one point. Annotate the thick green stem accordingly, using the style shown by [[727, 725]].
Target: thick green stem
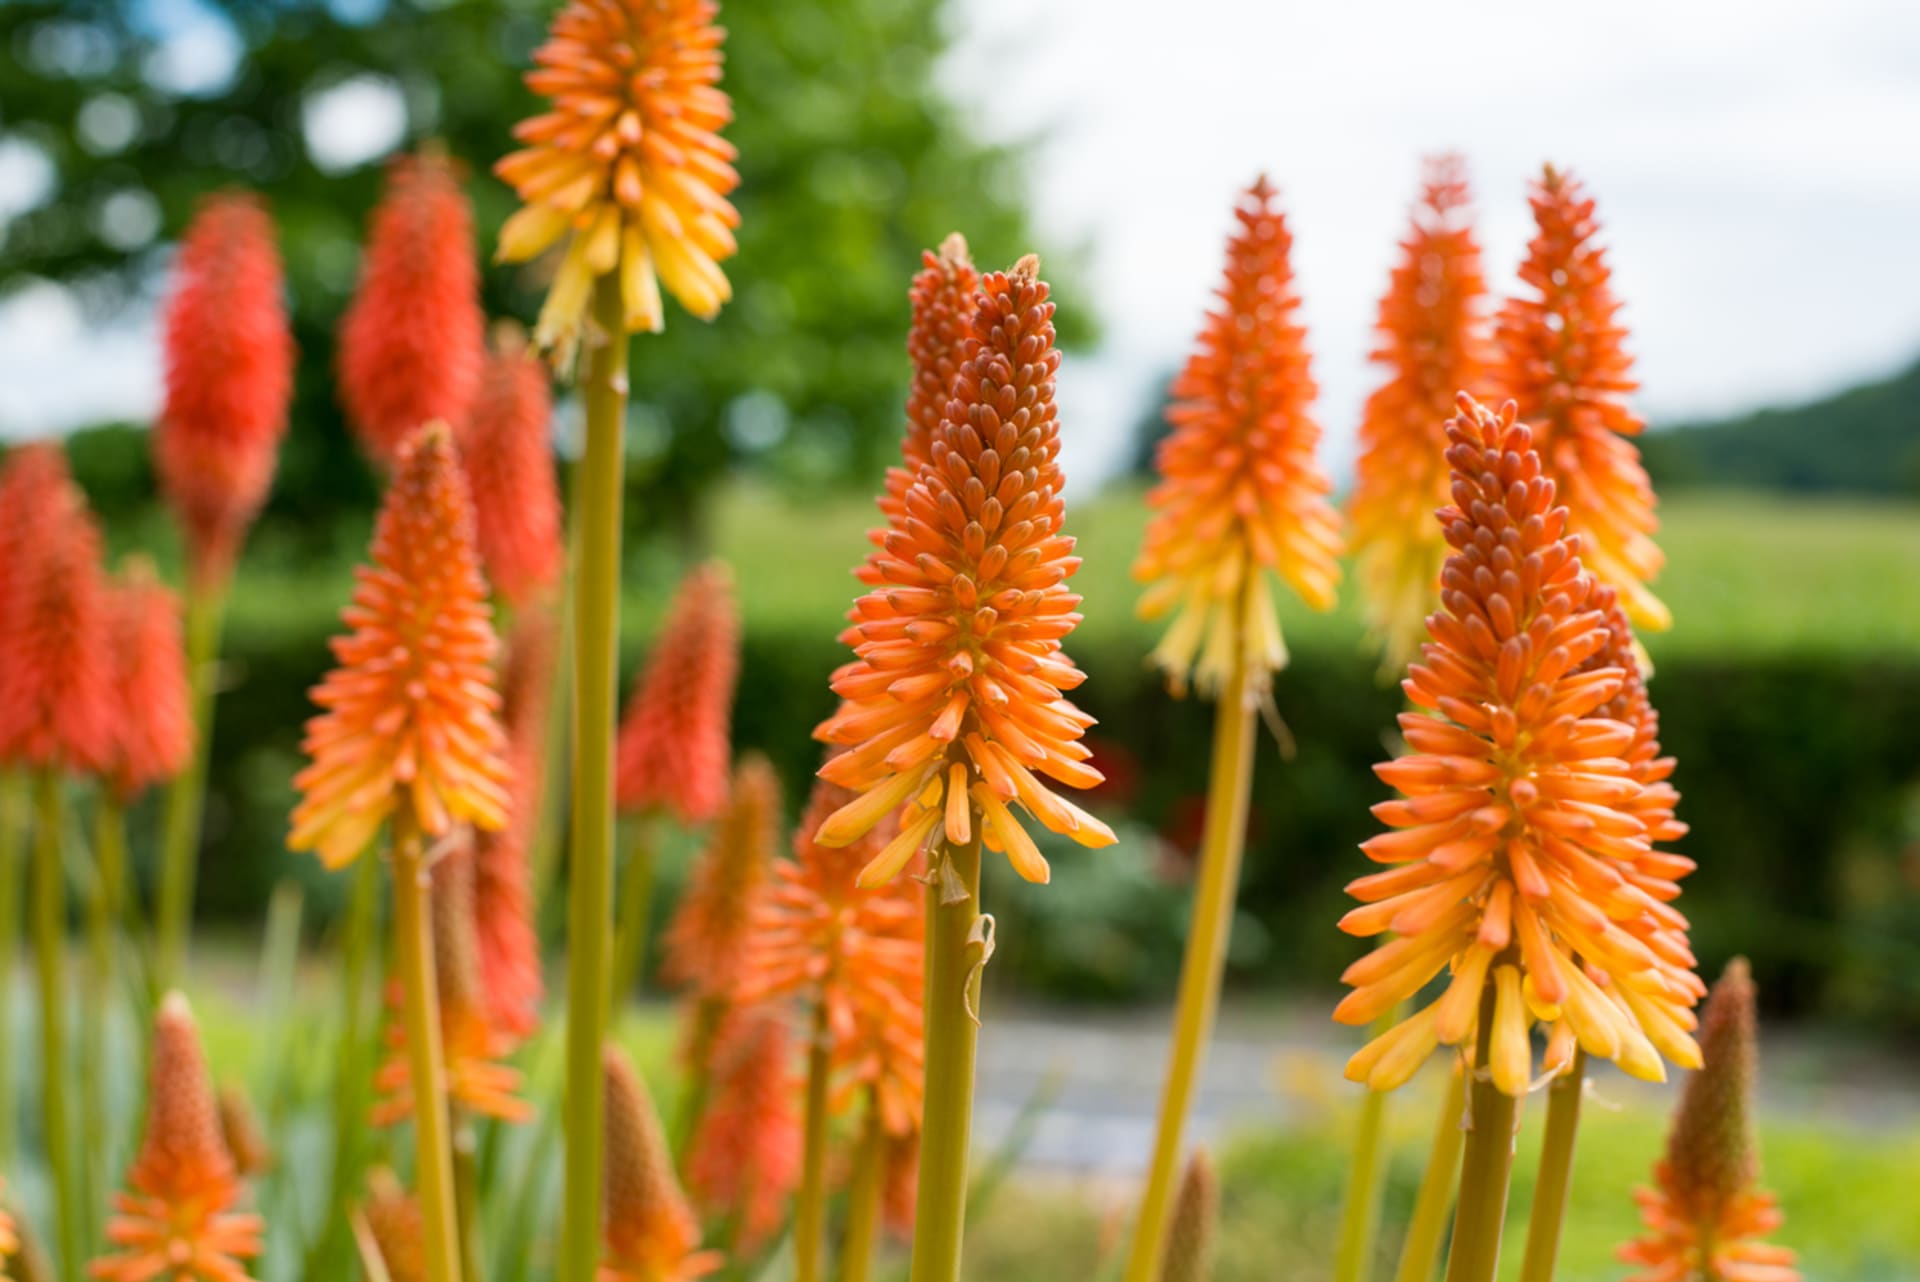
[[1486, 1166], [1428, 1224], [595, 675], [426, 1067], [103, 920], [49, 929], [1360, 1214], [864, 1191], [810, 1212], [1556, 1172], [553, 763], [353, 1081], [636, 903], [13, 828], [186, 798], [955, 957], [1222, 844]]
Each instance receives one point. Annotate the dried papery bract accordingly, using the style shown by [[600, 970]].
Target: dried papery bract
[[507, 446], [1240, 493], [1432, 342], [411, 340], [153, 715], [1562, 357], [745, 1154], [1510, 856], [176, 1218], [649, 1232], [675, 739], [627, 172]]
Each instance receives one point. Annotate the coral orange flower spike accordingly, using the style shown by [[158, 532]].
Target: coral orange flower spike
[[411, 340], [1706, 1216], [650, 1233], [411, 714], [628, 168], [507, 447], [1562, 357], [229, 375], [675, 743], [1240, 492], [1433, 342], [175, 1221], [706, 941], [153, 719], [1516, 857], [954, 699], [745, 1156]]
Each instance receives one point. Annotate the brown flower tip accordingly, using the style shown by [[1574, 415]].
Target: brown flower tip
[[507, 447], [410, 715], [153, 716], [675, 742], [706, 940], [745, 1158], [650, 1233], [1196, 1216]]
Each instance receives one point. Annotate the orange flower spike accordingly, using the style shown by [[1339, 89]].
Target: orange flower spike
[[628, 169], [410, 716], [675, 742], [1705, 1217], [745, 1157], [153, 718], [707, 939], [229, 380], [411, 340], [1508, 857], [650, 1233], [1432, 343], [954, 699], [175, 1221], [1240, 492], [507, 446], [1562, 357]]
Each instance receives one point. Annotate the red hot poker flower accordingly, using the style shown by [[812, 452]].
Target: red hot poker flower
[[507, 447], [410, 715], [153, 718], [954, 699], [745, 1157], [650, 1232], [410, 342], [229, 363], [706, 940], [675, 743]]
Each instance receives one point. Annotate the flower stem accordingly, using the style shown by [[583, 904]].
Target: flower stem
[[636, 902], [1556, 1172], [864, 1190], [13, 826], [49, 927], [1428, 1224], [952, 1037], [1360, 1214], [1485, 1167], [350, 1086], [420, 1007], [596, 639], [1228, 787], [186, 798], [810, 1212], [103, 919]]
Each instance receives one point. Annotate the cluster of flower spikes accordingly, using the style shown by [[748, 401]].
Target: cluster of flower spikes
[[1561, 356], [410, 714], [411, 340], [1240, 493], [1706, 1216], [176, 1219], [1520, 825], [229, 380], [675, 743], [649, 1231], [955, 696], [153, 715], [1432, 342], [474, 1045], [628, 168], [746, 1151], [506, 444], [57, 705], [705, 943], [857, 951]]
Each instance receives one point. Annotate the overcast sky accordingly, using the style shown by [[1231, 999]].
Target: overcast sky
[[1756, 166]]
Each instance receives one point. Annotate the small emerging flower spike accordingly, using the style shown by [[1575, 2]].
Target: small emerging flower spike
[[955, 696], [410, 717], [628, 170], [393, 1222], [411, 341], [1562, 357], [650, 1233], [675, 742], [229, 376], [175, 1221], [1240, 491], [507, 446], [706, 941], [745, 1157], [1196, 1218], [153, 719], [1432, 342], [1705, 1217], [1522, 855]]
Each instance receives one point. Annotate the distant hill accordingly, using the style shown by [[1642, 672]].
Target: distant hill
[[1865, 440]]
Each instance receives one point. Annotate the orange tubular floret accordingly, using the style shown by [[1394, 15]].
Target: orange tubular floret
[[675, 742], [649, 1231], [1240, 492], [957, 650], [1432, 342], [153, 719], [411, 714], [628, 168], [745, 1156], [1520, 855], [1562, 358], [507, 447]]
